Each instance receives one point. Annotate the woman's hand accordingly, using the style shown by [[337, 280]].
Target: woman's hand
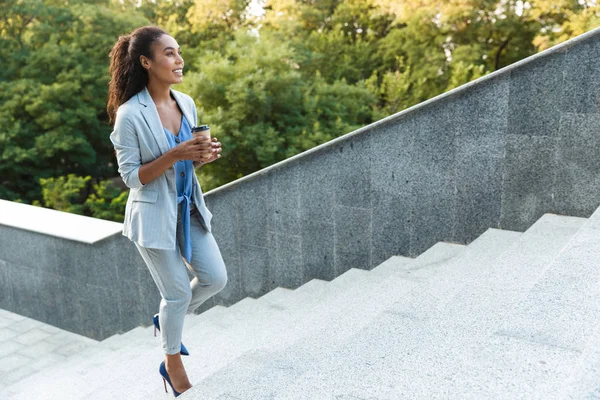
[[194, 149], [216, 150]]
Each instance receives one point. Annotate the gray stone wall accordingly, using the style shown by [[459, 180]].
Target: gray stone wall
[[498, 152], [95, 290], [92, 289]]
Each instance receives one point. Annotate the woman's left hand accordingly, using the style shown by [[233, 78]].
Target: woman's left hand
[[216, 153]]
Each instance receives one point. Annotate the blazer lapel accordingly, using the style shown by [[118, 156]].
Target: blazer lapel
[[150, 114]]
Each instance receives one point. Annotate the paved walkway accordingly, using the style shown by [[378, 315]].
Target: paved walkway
[[28, 346]]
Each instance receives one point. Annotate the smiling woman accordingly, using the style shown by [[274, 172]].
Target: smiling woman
[[165, 216]]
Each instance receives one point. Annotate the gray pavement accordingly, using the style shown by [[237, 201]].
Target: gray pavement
[[29, 346]]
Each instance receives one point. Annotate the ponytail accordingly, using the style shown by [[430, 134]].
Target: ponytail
[[127, 76]]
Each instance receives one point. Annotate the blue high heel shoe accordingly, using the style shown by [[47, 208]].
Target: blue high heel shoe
[[165, 376], [183, 351]]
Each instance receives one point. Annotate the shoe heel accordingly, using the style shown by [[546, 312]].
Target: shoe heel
[[163, 372], [154, 331]]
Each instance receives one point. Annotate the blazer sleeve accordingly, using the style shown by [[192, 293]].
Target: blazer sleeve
[[126, 143]]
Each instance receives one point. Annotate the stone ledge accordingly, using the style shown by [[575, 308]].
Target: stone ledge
[[57, 223]]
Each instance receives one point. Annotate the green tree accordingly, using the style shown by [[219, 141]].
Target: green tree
[[263, 110], [53, 93], [271, 86], [107, 201], [76, 194], [65, 193]]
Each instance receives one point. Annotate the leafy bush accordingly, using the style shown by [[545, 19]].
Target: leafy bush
[[75, 194]]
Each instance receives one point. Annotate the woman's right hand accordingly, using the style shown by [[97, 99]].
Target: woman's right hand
[[195, 149]]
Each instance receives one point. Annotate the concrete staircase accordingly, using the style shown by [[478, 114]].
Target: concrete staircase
[[512, 315]]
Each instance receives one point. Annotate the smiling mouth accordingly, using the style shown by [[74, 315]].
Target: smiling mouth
[[178, 71]]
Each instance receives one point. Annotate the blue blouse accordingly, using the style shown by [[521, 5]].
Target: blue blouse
[[183, 174]]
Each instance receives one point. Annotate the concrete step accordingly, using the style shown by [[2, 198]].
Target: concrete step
[[306, 293], [558, 322], [582, 382], [259, 313], [391, 266], [480, 314], [267, 373], [243, 305], [214, 350], [123, 347], [245, 334], [362, 291], [119, 345], [276, 295], [207, 317], [120, 341], [302, 299], [415, 348]]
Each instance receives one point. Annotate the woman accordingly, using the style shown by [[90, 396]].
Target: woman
[[165, 216]]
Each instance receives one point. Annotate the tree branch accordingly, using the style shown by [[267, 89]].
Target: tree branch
[[502, 47]]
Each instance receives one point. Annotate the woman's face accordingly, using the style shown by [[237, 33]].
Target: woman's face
[[167, 64]]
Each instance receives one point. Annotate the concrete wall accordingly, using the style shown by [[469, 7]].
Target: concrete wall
[[498, 152], [74, 272]]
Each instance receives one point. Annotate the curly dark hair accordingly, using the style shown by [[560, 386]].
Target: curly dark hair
[[127, 76]]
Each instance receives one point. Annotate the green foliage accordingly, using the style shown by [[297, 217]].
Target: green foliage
[[107, 202], [263, 110], [271, 86], [65, 193], [73, 194], [53, 91]]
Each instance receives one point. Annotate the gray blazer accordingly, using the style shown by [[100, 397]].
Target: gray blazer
[[138, 138]]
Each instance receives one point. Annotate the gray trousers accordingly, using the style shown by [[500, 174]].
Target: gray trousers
[[180, 295]]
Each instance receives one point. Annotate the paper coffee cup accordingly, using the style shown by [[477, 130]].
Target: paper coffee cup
[[203, 130]]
